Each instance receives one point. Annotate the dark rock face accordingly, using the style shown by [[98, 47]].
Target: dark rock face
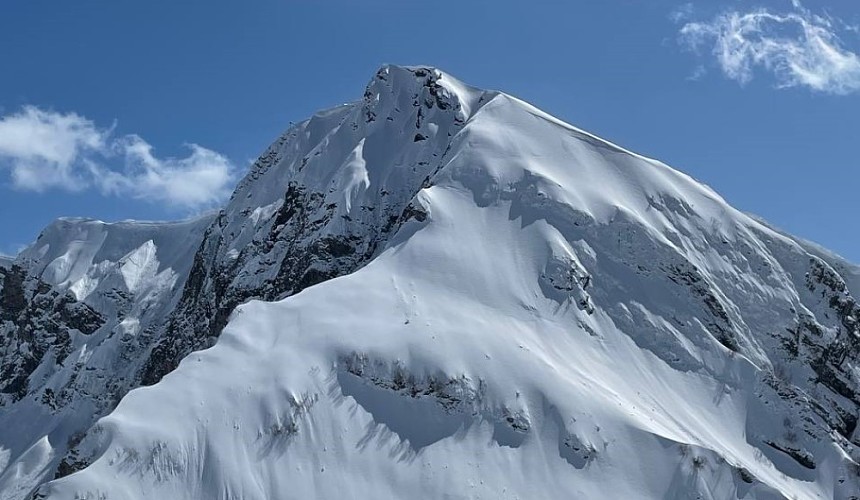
[[799, 456], [38, 321], [718, 323], [832, 358], [12, 299], [299, 245]]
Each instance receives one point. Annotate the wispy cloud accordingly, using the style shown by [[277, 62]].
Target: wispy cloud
[[682, 13], [799, 48], [45, 150]]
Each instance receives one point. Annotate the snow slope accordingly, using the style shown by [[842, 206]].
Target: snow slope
[[88, 257], [482, 301], [306, 212], [76, 308]]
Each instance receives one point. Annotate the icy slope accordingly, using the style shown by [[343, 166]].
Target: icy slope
[[546, 316], [320, 202], [76, 309]]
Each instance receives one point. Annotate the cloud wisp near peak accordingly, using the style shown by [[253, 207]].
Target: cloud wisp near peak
[[45, 150], [797, 47]]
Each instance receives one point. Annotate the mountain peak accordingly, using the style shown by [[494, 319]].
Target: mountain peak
[[438, 290], [397, 87]]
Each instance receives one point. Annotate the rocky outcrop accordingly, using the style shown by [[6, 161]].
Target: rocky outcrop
[[38, 324]]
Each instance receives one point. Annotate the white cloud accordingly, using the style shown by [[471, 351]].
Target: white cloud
[[202, 178], [698, 73], [682, 13], [799, 48], [42, 147], [45, 150]]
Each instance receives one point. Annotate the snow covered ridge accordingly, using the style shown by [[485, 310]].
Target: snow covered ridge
[[460, 295]]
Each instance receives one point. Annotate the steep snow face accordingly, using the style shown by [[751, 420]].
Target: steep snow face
[[547, 315], [80, 255], [321, 202], [78, 308]]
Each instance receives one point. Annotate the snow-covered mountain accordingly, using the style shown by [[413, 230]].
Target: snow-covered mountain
[[79, 310], [458, 296]]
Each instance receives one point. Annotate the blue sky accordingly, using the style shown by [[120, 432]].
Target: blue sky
[[133, 109]]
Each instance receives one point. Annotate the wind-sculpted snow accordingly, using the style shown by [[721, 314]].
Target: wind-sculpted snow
[[464, 297]]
